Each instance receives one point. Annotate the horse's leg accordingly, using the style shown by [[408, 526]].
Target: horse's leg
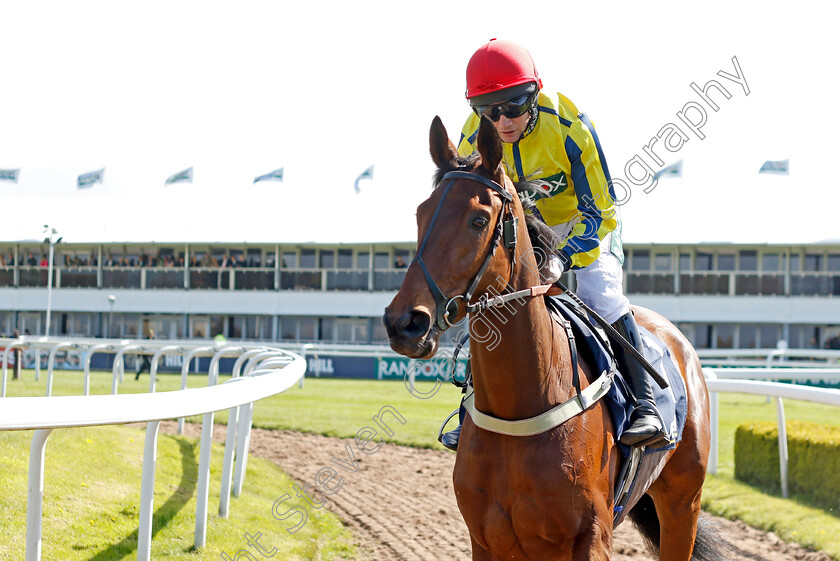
[[676, 495], [596, 543], [478, 552]]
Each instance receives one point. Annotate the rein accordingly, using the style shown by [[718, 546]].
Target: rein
[[446, 308]]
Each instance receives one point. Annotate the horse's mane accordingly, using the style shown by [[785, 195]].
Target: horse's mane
[[543, 239]]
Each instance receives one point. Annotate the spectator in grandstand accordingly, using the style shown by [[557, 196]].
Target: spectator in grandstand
[[399, 262], [548, 141]]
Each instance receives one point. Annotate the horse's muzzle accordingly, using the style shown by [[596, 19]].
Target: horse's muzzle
[[410, 334]]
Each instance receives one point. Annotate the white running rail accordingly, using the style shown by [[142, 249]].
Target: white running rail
[[269, 371]]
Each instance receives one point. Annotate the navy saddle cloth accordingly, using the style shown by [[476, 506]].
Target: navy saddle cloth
[[671, 401]]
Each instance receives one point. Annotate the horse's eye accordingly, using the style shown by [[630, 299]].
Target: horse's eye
[[479, 222]]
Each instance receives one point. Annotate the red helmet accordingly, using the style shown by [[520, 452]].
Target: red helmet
[[499, 65]]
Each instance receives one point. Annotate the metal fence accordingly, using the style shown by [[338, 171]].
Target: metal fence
[[260, 371]]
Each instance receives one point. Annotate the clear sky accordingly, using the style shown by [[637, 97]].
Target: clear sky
[[327, 89]]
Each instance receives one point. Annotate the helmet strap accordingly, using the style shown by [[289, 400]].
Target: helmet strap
[[534, 112]]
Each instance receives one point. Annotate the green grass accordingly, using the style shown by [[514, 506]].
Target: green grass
[[343, 407], [92, 493], [793, 519]]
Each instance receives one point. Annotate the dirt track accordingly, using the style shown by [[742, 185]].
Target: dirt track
[[401, 506]]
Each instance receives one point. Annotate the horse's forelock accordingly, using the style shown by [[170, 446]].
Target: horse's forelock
[[468, 163]]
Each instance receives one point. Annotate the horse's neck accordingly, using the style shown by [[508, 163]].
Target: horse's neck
[[518, 357]]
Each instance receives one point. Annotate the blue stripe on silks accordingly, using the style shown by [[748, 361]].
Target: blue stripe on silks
[[460, 139], [517, 161], [601, 157], [586, 202], [472, 137], [551, 111]]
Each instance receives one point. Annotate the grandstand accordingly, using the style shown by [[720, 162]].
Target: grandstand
[[722, 295]]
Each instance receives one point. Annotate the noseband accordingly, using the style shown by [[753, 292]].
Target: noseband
[[446, 308]]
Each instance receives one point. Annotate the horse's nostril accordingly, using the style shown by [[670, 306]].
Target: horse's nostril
[[413, 324]]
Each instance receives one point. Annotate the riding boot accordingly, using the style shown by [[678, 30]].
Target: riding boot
[[450, 439], [646, 428]]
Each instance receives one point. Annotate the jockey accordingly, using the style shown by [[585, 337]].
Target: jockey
[[547, 139]]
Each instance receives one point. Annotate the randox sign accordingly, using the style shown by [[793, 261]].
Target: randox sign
[[423, 370]]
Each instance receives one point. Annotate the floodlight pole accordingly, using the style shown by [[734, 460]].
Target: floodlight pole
[[51, 233]]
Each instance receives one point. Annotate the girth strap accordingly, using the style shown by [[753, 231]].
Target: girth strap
[[546, 421]]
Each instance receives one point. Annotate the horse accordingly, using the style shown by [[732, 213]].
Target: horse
[[548, 496]]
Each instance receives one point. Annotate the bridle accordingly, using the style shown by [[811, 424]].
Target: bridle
[[446, 309]]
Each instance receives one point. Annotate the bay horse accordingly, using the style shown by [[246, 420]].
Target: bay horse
[[548, 496]]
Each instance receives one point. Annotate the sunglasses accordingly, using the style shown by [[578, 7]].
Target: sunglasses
[[511, 109]]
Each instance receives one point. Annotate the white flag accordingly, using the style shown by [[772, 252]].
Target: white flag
[[780, 167], [9, 175], [88, 179], [674, 170], [276, 175], [367, 174], [185, 176]]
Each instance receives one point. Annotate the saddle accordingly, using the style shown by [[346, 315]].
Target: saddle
[[640, 466]]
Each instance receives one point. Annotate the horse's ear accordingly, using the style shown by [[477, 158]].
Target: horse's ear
[[440, 146], [489, 145]]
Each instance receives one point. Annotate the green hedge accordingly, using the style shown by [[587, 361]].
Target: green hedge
[[813, 459]]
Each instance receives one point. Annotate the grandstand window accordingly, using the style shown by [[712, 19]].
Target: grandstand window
[[401, 258], [662, 262], [308, 327], [327, 259], [725, 336], [685, 262], [199, 327], [288, 329], [769, 336], [795, 262], [235, 325], [641, 260], [351, 330], [345, 258], [326, 329], [254, 258], [363, 260], [703, 262], [129, 327], [217, 325], [804, 336], [813, 262], [702, 335], [381, 260], [747, 337], [380, 335], [833, 262], [771, 262], [726, 262], [748, 260], [289, 260], [307, 259]]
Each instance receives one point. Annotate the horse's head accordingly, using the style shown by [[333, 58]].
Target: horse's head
[[460, 227]]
